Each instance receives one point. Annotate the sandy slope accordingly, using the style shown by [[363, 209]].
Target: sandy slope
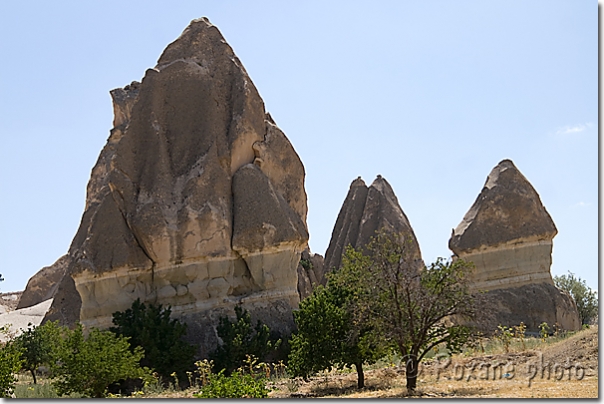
[[19, 319]]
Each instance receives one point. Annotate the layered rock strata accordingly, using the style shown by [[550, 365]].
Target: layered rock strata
[[507, 234], [44, 284], [365, 211], [197, 201]]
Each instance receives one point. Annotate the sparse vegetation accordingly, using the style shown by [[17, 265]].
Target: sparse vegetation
[[584, 296], [505, 335], [404, 303]]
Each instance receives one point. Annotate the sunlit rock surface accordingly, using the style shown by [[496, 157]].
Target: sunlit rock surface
[[365, 211], [197, 200], [507, 234], [44, 284]]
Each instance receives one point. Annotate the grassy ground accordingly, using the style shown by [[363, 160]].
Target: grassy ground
[[559, 367]]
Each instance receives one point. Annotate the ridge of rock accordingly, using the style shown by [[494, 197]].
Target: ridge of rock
[[197, 200], [44, 284], [366, 210], [507, 234]]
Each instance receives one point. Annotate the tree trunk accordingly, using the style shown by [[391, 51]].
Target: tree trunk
[[411, 370], [33, 374], [361, 375]]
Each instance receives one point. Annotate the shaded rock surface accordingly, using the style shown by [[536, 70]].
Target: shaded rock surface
[[197, 200], [44, 284], [507, 234], [310, 272], [365, 211], [532, 304]]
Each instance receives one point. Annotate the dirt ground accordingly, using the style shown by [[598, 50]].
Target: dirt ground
[[567, 369]]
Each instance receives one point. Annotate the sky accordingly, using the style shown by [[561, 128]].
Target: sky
[[429, 94]]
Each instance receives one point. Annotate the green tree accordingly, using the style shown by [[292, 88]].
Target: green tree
[[584, 296], [37, 345], [328, 334], [161, 338], [10, 363], [240, 339], [412, 305], [88, 365]]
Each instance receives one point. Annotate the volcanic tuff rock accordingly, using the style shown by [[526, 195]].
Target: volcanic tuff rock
[[197, 200], [43, 285], [310, 272], [507, 234], [365, 211]]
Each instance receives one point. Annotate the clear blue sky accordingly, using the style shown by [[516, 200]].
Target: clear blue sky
[[429, 94]]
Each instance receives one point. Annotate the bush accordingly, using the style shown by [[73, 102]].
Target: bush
[[89, 365], [10, 363], [150, 327], [238, 385], [586, 299], [240, 340], [37, 345], [326, 335]]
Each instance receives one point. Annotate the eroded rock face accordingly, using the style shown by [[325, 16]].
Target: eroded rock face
[[507, 234], [310, 272], [197, 201], [44, 284], [531, 304], [365, 211]]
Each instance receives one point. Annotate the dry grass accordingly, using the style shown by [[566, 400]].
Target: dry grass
[[439, 381]]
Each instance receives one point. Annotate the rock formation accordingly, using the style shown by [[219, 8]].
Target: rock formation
[[310, 272], [197, 200], [44, 284], [507, 234], [365, 211]]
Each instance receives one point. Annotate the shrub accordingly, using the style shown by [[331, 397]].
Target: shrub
[[586, 299], [89, 365], [326, 336], [240, 339], [37, 345], [161, 338], [504, 334], [237, 385], [543, 330], [10, 363]]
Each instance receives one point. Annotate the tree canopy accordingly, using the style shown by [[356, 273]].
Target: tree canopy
[[584, 296]]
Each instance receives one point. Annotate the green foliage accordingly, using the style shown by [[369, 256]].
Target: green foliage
[[240, 339], [237, 385], [37, 345], [306, 264], [161, 338], [10, 363], [327, 333], [544, 330], [519, 332], [505, 335], [407, 303], [88, 365], [584, 296]]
